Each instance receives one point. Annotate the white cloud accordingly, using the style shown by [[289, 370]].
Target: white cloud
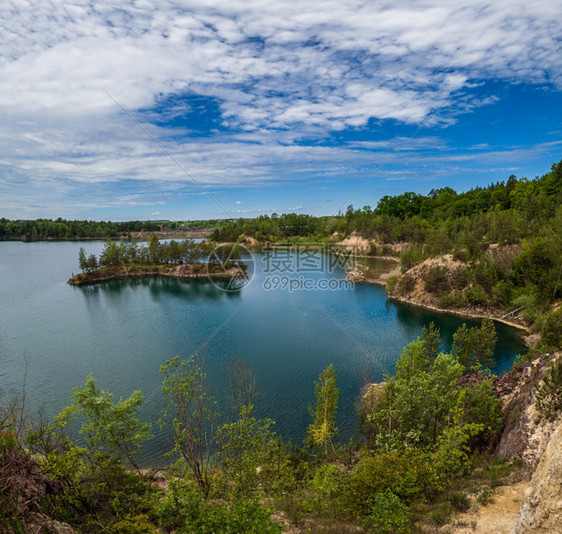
[[278, 71]]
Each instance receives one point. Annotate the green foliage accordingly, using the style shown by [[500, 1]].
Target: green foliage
[[243, 446], [391, 283], [191, 410], [431, 339], [96, 486], [63, 229], [459, 501], [452, 453], [482, 407], [389, 515], [325, 489], [410, 257], [407, 474], [244, 515], [178, 505], [474, 347], [8, 439], [414, 405], [121, 254], [111, 427], [549, 392], [476, 295], [437, 279], [138, 524], [406, 284], [551, 329], [323, 429], [182, 508]]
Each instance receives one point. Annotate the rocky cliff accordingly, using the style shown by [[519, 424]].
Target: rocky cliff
[[541, 511]]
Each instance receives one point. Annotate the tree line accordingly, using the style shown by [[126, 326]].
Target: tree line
[[69, 229], [156, 252]]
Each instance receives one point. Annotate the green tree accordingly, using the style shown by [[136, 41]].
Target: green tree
[[82, 260], [111, 426], [191, 409], [431, 339], [323, 429], [474, 347], [243, 449]]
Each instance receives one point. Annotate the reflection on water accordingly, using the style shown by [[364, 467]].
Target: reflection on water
[[374, 267], [189, 288]]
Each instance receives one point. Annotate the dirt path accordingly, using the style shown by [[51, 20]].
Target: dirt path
[[497, 517]]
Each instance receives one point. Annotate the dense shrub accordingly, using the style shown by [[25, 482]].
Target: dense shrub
[[477, 295], [551, 331], [549, 392], [389, 515], [406, 474], [437, 279]]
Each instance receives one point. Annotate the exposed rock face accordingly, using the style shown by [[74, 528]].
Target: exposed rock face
[[504, 255], [541, 512], [525, 436], [361, 244]]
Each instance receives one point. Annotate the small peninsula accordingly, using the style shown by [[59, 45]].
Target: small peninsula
[[176, 259], [195, 270]]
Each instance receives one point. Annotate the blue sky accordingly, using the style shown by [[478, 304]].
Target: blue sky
[[201, 109]]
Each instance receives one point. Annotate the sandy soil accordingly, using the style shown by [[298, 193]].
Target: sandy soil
[[498, 517]]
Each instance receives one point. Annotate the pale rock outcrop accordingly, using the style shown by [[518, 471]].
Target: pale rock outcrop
[[541, 511]]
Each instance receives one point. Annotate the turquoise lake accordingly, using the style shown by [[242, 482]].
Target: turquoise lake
[[123, 331]]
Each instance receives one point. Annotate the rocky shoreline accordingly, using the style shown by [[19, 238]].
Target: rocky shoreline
[[424, 300]]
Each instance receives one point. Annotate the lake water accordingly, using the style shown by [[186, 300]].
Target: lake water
[[123, 331]]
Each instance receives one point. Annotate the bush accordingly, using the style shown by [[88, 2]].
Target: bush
[[326, 486], [389, 515], [460, 278], [408, 475], [406, 284], [549, 392], [447, 300], [437, 279], [410, 257], [501, 294], [477, 295], [245, 515], [441, 514], [391, 283], [551, 331]]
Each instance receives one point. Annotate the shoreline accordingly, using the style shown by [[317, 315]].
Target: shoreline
[[198, 270], [462, 312]]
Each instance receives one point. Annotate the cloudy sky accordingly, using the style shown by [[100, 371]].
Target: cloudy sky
[[213, 108]]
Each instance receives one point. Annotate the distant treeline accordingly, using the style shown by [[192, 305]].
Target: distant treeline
[[503, 212], [63, 229]]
